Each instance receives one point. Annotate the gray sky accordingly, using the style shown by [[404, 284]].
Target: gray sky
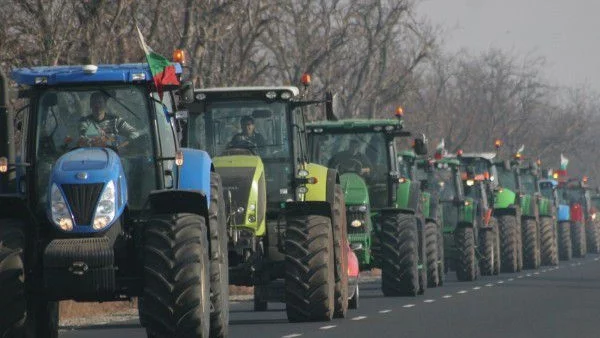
[[565, 32]]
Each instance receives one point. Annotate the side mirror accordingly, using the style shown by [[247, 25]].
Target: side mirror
[[186, 92], [356, 246], [420, 147], [331, 106]]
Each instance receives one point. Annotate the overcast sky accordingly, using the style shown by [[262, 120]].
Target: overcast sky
[[565, 32]]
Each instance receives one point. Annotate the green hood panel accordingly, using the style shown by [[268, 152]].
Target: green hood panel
[[503, 199], [528, 206], [545, 207], [425, 204], [355, 189]]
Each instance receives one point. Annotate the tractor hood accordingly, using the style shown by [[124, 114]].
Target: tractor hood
[[87, 165], [355, 189]]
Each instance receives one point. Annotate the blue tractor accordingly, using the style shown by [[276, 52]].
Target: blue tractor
[[99, 203]]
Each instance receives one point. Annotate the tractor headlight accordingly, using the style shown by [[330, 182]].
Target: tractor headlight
[[356, 223], [105, 210], [593, 216], [61, 216]]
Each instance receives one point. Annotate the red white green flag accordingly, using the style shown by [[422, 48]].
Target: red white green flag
[[162, 70]]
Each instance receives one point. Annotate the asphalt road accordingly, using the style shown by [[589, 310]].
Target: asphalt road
[[548, 302]]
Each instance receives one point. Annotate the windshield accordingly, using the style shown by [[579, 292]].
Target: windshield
[[506, 179], [248, 127], [107, 116], [528, 182], [446, 182], [572, 195], [547, 190]]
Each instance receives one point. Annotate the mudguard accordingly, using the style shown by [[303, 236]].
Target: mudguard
[[194, 174], [504, 198], [425, 205], [466, 212], [323, 190], [84, 173], [407, 196], [528, 206], [545, 207]]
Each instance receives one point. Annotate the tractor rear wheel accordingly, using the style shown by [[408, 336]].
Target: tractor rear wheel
[[12, 293], [578, 239], [508, 243], [432, 254], [341, 255], [175, 301], [592, 236], [309, 269], [565, 248], [496, 230], [219, 260], [466, 266], [549, 250], [441, 257], [399, 255], [487, 242], [530, 244]]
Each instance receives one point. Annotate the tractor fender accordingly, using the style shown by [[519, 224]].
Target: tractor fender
[[510, 210], [323, 190], [408, 196], [564, 213], [194, 174]]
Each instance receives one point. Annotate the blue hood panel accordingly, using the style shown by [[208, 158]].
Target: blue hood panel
[[85, 166], [90, 159], [564, 213]]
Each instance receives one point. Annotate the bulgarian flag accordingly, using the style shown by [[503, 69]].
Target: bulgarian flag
[[564, 162], [162, 70]]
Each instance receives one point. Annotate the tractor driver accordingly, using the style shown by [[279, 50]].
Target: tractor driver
[[102, 128], [249, 137], [351, 160]]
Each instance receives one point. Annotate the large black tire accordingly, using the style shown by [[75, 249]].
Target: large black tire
[[260, 304], [466, 264], [431, 254], [530, 244], [592, 236], [549, 249], [508, 243], [219, 260], [487, 243], [497, 252], [309, 269], [578, 238], [341, 255], [519, 247], [441, 257], [565, 246], [175, 301], [399, 255], [12, 293], [32, 316]]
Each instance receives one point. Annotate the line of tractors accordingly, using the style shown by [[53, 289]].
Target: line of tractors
[[159, 196]]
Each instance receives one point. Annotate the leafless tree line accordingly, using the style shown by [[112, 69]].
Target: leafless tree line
[[376, 54]]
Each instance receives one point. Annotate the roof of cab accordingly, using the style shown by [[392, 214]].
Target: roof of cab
[[59, 75]]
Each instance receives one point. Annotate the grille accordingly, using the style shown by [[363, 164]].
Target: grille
[[237, 182], [82, 198], [450, 214]]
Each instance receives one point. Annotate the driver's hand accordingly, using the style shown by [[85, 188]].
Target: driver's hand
[[365, 170]]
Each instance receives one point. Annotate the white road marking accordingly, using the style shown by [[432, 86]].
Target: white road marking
[[573, 264], [447, 296], [500, 282], [511, 279], [476, 287], [462, 292], [528, 275], [489, 284], [596, 259], [536, 273], [521, 276], [408, 306], [578, 264], [327, 327], [292, 335], [385, 311], [429, 301], [544, 270], [359, 318]]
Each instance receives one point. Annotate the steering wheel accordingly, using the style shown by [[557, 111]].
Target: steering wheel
[[241, 146], [113, 142], [350, 165]]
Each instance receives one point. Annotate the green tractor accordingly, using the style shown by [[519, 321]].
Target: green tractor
[[286, 216], [473, 231], [384, 210]]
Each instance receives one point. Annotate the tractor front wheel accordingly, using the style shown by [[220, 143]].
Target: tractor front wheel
[[565, 248], [549, 250], [466, 266], [399, 255]]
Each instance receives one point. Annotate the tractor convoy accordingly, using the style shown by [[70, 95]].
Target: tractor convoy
[[115, 187]]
